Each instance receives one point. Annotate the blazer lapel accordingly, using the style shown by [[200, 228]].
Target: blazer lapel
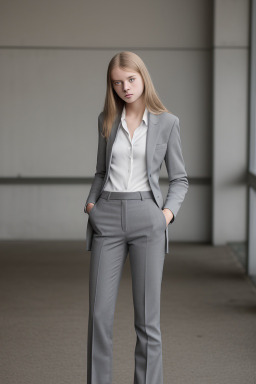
[[111, 140], [150, 140]]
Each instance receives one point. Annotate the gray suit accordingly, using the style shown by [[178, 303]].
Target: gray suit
[[163, 143], [131, 222]]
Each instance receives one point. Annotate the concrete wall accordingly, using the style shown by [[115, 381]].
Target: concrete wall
[[230, 120], [53, 60]]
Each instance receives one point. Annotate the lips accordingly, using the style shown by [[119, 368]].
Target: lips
[[129, 94]]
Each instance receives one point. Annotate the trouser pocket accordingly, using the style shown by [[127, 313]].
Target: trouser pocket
[[158, 213]]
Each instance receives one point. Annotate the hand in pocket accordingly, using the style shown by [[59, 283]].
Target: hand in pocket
[[89, 207]]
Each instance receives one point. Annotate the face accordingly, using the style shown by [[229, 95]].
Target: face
[[127, 83]]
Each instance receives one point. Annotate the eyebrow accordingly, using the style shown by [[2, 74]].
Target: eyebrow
[[127, 78]]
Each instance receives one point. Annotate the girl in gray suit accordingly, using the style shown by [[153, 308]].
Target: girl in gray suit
[[127, 214]]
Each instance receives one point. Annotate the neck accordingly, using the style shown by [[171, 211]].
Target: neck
[[135, 109]]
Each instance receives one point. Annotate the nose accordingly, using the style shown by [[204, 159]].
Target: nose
[[126, 86]]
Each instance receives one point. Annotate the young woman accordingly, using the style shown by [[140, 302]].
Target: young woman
[[127, 214]]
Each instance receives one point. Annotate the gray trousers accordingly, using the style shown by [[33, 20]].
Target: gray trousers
[[126, 222]]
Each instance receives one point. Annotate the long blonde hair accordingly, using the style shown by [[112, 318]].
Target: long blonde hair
[[114, 104]]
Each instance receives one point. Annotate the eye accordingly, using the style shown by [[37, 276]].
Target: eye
[[115, 82], [132, 79]]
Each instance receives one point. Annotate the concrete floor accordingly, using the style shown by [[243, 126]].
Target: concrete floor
[[208, 316]]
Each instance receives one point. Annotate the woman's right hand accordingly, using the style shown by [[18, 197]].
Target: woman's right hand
[[89, 207]]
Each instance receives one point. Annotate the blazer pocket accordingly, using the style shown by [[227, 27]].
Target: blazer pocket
[[160, 146]]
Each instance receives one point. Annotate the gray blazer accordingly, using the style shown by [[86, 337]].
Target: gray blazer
[[162, 143]]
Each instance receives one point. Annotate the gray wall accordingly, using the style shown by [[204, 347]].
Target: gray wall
[[53, 60], [230, 120]]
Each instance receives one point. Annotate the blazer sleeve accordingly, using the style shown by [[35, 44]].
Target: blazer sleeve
[[100, 167], [178, 181]]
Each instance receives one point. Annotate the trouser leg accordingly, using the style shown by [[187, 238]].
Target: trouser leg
[[106, 264], [147, 254]]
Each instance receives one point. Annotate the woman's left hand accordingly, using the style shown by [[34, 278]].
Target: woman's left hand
[[168, 215]]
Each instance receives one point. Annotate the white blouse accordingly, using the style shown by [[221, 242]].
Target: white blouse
[[128, 170]]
